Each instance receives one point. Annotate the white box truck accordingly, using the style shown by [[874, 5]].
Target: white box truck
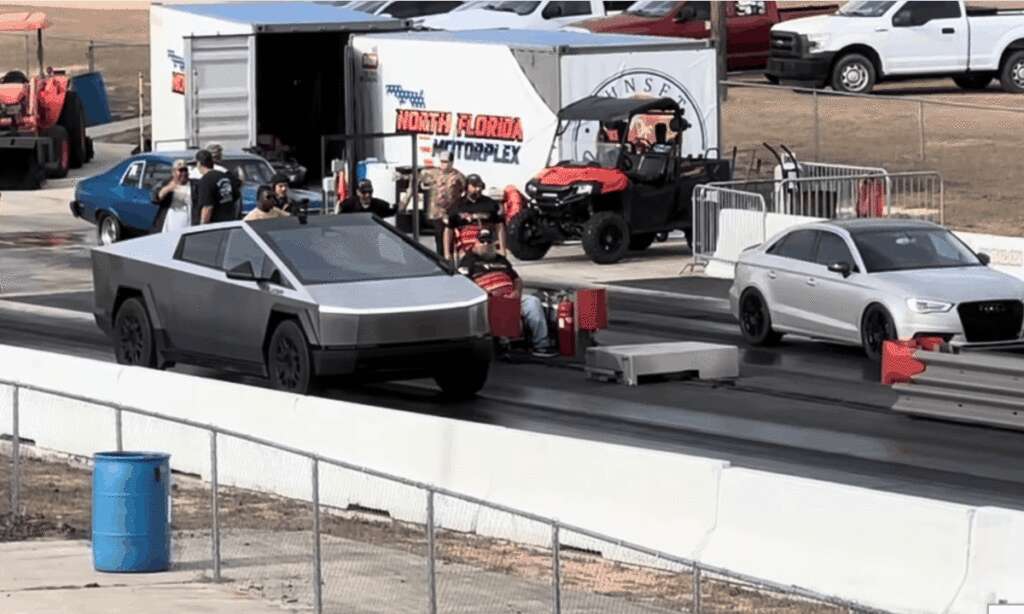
[[248, 73], [492, 96]]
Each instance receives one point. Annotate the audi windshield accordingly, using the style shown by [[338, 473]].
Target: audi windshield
[[907, 249]]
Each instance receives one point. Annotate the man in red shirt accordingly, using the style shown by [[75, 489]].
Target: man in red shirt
[[494, 273]]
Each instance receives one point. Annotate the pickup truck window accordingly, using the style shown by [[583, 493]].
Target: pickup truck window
[[922, 11], [865, 8], [651, 8], [512, 6], [566, 9], [749, 8]]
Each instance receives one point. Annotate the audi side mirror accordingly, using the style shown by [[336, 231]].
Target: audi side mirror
[[984, 258], [842, 268]]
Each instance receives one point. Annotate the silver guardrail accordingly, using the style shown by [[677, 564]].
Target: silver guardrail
[[703, 581], [981, 388]]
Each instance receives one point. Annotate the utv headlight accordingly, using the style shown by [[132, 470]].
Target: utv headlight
[[816, 43], [585, 188], [923, 305]]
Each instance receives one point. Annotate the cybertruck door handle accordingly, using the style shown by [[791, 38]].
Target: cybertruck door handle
[[812, 282], [772, 275]]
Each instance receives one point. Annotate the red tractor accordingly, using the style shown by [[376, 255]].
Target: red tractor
[[42, 122]]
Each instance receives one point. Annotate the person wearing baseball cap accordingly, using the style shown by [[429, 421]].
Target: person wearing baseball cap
[[364, 202], [494, 273], [475, 211]]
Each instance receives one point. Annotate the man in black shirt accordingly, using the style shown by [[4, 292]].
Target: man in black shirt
[[218, 192], [494, 273], [474, 212], [364, 202]]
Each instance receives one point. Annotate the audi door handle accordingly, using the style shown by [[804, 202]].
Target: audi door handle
[[948, 31], [772, 275], [811, 281]]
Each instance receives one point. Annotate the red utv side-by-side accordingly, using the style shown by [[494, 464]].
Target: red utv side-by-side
[[637, 185]]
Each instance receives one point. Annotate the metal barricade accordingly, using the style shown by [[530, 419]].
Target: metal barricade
[[712, 204]]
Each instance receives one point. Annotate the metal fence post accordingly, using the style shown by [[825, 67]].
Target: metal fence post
[[817, 128], [696, 590], [920, 121], [15, 453], [556, 568], [215, 533], [91, 55], [318, 603], [118, 431], [431, 565]]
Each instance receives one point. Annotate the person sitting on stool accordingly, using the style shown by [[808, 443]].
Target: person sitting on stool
[[494, 273]]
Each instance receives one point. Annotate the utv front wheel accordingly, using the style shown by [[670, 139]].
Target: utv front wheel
[[525, 238], [606, 237]]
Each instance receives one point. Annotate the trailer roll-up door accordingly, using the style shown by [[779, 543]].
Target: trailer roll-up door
[[220, 104]]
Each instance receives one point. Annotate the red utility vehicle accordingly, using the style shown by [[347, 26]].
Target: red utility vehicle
[[749, 21], [42, 123]]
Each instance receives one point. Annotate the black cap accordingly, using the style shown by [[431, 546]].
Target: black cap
[[475, 180], [365, 186], [485, 236], [278, 178]]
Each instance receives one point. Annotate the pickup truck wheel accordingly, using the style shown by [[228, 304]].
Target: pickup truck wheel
[[973, 82], [133, 335], [462, 380], [1012, 75], [853, 73], [606, 237]]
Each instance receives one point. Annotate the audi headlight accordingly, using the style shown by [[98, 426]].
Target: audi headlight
[[923, 305], [816, 43], [585, 188]]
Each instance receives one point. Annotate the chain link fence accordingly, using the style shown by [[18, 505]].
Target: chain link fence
[[302, 530], [970, 145]]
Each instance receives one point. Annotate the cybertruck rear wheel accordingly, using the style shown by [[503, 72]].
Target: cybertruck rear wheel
[[525, 238], [133, 335], [289, 360]]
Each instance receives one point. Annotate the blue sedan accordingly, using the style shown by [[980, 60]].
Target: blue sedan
[[119, 201]]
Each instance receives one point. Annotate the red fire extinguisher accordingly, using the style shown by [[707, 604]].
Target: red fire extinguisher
[[566, 327]]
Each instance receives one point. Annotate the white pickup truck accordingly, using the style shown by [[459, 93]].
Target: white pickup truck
[[545, 15], [866, 42]]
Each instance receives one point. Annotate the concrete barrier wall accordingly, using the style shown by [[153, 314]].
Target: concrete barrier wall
[[898, 553]]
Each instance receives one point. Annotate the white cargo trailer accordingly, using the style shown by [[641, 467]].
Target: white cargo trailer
[[491, 96], [242, 72]]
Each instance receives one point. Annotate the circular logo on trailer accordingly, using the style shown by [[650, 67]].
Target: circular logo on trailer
[[648, 83]]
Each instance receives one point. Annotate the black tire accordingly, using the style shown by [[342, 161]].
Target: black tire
[[1011, 75], [524, 239], [35, 173], [854, 73], [661, 237], [876, 326], [58, 168], [90, 150], [973, 82], [772, 79], [640, 242], [289, 360], [109, 229], [463, 379], [756, 320], [133, 335], [72, 118], [606, 237]]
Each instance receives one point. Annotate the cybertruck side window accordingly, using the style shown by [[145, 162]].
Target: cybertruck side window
[[202, 248], [239, 248]]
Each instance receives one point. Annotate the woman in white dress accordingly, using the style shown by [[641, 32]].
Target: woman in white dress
[[175, 200]]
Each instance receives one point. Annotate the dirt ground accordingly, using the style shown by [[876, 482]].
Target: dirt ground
[[56, 498]]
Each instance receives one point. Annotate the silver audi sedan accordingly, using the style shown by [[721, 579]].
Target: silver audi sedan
[[861, 282]]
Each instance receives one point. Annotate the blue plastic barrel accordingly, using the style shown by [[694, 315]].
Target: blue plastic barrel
[[93, 92], [131, 504]]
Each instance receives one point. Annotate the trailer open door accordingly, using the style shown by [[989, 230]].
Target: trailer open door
[[220, 104]]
